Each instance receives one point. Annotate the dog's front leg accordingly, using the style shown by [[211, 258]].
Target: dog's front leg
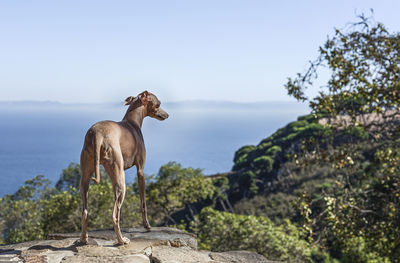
[[142, 192]]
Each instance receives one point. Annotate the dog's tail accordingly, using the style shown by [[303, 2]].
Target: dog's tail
[[97, 141]]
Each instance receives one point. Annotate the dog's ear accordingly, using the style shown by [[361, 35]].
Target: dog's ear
[[144, 97], [129, 100]]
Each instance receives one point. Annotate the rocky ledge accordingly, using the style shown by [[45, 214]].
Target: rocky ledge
[[161, 245]]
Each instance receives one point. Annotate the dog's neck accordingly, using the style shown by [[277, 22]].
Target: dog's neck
[[136, 113]]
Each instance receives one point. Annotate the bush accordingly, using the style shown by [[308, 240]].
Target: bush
[[263, 163], [241, 155], [221, 231], [36, 209], [247, 182], [276, 206], [175, 188]]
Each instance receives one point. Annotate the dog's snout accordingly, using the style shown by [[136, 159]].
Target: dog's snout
[[162, 114]]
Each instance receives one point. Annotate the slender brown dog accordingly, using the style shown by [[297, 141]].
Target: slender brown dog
[[118, 146]]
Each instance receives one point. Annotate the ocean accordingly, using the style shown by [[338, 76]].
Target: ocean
[[44, 138]]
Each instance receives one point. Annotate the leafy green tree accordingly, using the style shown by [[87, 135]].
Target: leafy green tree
[[357, 218], [241, 157], [175, 188], [264, 163], [20, 213], [366, 211], [71, 177], [34, 189], [221, 231], [60, 212], [36, 210], [364, 65], [276, 206]]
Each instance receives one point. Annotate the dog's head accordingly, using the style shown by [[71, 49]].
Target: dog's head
[[151, 103]]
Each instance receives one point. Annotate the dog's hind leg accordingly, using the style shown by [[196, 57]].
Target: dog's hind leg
[[87, 169], [117, 175]]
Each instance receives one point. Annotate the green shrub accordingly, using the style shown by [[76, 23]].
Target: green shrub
[[274, 150], [175, 188], [263, 163], [221, 231], [241, 157], [247, 180], [276, 206], [356, 251], [36, 210]]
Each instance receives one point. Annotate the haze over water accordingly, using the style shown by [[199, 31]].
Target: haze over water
[[44, 138]]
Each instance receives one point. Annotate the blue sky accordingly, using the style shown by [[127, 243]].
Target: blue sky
[[102, 51]]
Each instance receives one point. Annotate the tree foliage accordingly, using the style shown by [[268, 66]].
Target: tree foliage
[[364, 209], [175, 188], [357, 218], [71, 177], [221, 231], [36, 209], [338, 164], [364, 65]]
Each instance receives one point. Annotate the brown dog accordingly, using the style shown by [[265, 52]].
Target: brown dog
[[118, 146]]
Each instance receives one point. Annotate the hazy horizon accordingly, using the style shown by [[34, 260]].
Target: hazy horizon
[[289, 100], [46, 137]]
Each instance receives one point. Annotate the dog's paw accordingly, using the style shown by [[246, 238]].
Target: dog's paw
[[81, 242], [147, 226], [124, 241]]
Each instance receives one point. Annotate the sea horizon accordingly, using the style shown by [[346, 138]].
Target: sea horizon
[[44, 137]]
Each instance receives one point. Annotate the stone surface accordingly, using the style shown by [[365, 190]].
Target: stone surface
[[239, 257], [166, 254], [161, 245], [159, 234], [137, 258]]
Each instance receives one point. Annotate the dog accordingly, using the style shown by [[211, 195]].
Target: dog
[[118, 146]]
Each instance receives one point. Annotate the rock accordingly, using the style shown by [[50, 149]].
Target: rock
[[33, 258], [9, 258], [137, 258], [239, 257], [157, 234], [166, 254], [98, 251], [142, 245], [161, 245]]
